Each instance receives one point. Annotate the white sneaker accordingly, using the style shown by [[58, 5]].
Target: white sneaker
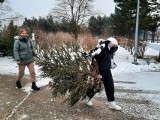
[[88, 101], [113, 105]]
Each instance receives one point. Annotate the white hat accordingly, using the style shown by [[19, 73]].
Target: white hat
[[113, 40]]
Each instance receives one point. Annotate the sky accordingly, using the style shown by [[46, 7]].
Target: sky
[[127, 76], [36, 8]]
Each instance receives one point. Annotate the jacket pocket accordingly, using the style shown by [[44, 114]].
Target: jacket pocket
[[25, 56]]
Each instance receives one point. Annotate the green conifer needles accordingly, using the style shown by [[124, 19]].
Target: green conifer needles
[[71, 72]]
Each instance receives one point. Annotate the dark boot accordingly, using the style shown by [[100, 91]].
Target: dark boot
[[18, 84], [34, 86]]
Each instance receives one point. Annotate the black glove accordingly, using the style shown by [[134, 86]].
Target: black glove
[[85, 54], [114, 49]]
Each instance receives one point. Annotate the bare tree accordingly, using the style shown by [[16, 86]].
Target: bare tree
[[74, 11], [7, 14]]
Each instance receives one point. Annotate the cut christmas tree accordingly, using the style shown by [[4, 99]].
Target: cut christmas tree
[[70, 71]]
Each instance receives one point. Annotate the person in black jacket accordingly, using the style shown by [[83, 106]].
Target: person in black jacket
[[103, 54]]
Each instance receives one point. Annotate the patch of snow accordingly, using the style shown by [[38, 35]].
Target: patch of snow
[[21, 117]]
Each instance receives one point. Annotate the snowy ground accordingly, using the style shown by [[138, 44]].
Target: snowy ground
[[141, 77]]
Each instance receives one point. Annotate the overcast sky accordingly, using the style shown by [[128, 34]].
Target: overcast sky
[[36, 8]]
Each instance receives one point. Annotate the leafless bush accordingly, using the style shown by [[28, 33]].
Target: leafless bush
[[130, 45], [142, 48]]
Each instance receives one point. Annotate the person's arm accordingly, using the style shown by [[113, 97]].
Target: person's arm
[[16, 50], [97, 50]]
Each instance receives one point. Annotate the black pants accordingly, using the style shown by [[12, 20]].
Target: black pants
[[108, 84]]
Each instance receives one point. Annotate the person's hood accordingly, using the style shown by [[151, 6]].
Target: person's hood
[[113, 41]]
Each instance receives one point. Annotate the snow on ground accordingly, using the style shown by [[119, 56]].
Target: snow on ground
[[8, 66], [124, 61]]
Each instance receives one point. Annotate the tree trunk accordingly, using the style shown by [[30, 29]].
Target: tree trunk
[[153, 34], [144, 35]]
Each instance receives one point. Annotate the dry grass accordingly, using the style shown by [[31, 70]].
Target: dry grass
[[52, 38], [86, 40], [61, 37]]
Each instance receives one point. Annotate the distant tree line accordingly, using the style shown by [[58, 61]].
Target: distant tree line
[[120, 23]]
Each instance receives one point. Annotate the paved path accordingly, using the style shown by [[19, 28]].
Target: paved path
[[136, 102], [143, 89], [154, 46]]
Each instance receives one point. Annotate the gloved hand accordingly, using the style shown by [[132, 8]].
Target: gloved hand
[[85, 54], [113, 49]]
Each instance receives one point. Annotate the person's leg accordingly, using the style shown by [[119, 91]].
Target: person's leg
[[20, 75], [32, 76], [21, 71], [89, 96], [109, 89], [108, 84], [32, 72]]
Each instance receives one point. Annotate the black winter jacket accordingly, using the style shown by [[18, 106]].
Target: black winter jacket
[[103, 53], [104, 58]]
